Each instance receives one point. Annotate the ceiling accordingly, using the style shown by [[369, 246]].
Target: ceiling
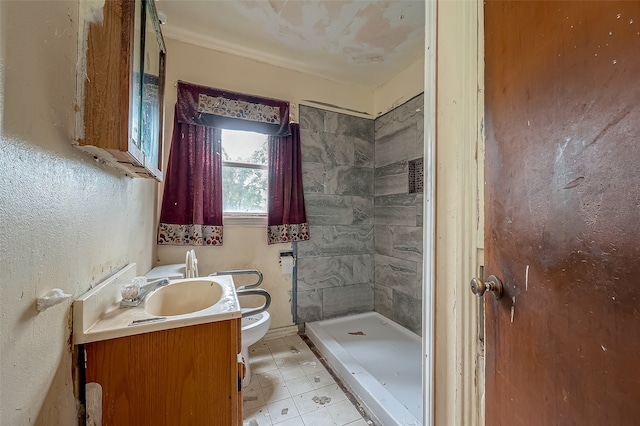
[[359, 42]]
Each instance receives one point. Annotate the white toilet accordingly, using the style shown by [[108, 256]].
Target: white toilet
[[254, 328]]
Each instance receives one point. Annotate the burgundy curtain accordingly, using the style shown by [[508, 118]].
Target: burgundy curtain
[[192, 202], [287, 218], [223, 109]]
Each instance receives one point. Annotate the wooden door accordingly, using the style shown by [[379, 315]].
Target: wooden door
[[562, 211]]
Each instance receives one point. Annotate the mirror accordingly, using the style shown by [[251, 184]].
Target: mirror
[[136, 87], [153, 63]]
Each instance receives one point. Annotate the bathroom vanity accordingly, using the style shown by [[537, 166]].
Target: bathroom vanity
[[141, 366], [181, 376]]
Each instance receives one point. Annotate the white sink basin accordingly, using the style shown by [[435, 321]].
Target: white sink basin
[[97, 314], [183, 297]]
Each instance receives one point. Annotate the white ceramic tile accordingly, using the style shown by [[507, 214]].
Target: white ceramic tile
[[319, 417], [296, 421], [285, 348], [293, 339], [343, 412], [252, 398], [304, 356], [284, 362], [305, 403], [321, 379], [293, 372], [273, 342], [282, 410], [299, 385], [312, 367], [259, 345], [252, 386], [287, 376], [257, 351], [262, 365], [262, 357], [268, 377], [332, 391], [275, 392], [259, 416]]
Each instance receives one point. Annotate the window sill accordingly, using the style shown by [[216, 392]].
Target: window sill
[[255, 220]]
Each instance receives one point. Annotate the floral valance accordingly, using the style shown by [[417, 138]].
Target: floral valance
[[206, 106]]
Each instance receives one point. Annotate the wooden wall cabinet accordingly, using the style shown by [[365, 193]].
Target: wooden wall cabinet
[[176, 377], [124, 88]]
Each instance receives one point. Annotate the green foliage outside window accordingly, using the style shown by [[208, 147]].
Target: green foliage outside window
[[245, 189]]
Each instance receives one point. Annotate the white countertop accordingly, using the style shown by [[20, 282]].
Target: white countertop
[[97, 314]]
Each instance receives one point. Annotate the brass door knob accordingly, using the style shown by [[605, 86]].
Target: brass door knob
[[493, 285]]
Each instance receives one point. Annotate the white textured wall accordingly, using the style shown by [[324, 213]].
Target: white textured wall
[[66, 220]]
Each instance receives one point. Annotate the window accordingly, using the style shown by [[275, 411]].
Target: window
[[244, 173]]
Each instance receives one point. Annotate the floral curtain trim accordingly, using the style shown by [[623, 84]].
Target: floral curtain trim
[[287, 233], [238, 109], [189, 235], [222, 109]]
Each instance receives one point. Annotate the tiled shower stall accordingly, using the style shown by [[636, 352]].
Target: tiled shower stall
[[365, 251]]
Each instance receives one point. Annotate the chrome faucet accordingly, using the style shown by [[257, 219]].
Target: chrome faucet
[[143, 292]]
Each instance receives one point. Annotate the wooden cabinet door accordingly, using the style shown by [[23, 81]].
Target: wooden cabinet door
[[182, 376]]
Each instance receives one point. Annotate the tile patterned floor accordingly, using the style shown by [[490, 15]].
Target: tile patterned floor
[[291, 387]]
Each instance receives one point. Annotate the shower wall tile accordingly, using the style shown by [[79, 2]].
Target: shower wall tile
[[327, 148], [349, 180], [337, 240], [419, 210], [313, 178], [336, 266], [392, 179], [322, 272], [384, 126], [347, 300], [349, 125], [384, 240], [312, 146], [383, 300], [328, 209], [363, 268], [404, 199], [311, 119], [407, 243], [362, 210], [309, 307], [399, 274], [395, 215], [398, 215], [399, 133], [399, 146], [410, 112], [407, 311], [363, 152]]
